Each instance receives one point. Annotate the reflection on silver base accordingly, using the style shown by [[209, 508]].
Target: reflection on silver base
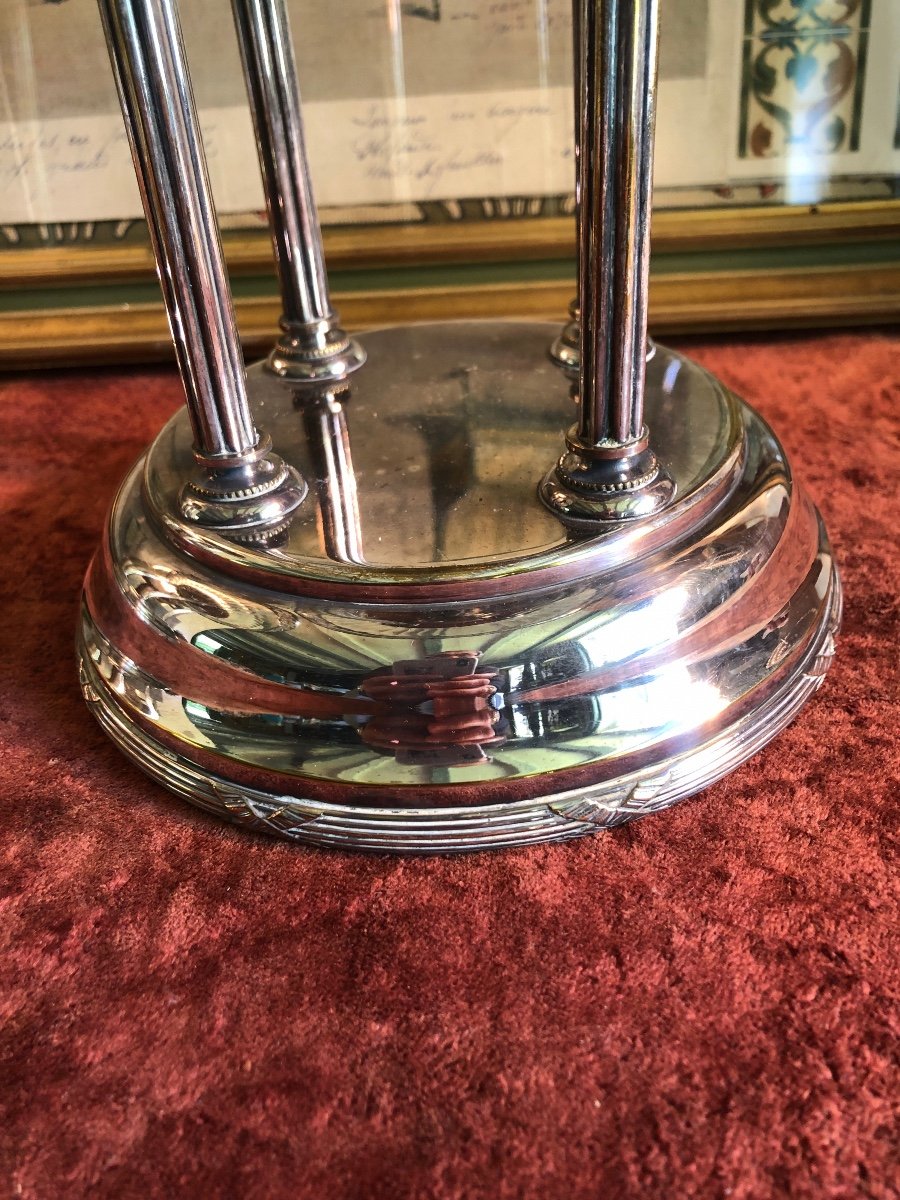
[[565, 349], [427, 660], [556, 817]]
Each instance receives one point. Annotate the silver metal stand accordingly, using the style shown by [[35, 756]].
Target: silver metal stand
[[313, 346], [426, 655], [238, 485]]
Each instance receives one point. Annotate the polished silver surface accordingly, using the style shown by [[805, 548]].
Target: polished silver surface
[[313, 346], [426, 660], [565, 349], [429, 652], [434, 448], [619, 48], [328, 444], [235, 483], [608, 449]]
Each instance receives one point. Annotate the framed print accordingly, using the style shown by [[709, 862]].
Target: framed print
[[441, 147]]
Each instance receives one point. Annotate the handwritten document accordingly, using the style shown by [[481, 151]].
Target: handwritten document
[[427, 100], [363, 152]]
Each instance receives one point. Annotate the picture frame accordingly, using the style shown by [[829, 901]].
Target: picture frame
[[775, 207], [748, 268]]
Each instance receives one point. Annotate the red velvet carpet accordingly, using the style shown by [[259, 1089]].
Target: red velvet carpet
[[701, 1004]]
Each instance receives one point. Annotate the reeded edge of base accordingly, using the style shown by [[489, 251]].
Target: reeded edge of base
[[547, 818]]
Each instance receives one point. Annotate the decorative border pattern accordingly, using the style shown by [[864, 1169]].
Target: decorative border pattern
[[525, 214], [804, 72]]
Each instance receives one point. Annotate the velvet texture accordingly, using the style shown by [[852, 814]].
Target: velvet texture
[[700, 1004]]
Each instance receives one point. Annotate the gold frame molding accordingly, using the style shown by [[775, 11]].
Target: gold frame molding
[[674, 231], [734, 295], [679, 304]]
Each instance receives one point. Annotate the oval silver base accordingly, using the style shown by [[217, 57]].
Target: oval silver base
[[426, 660]]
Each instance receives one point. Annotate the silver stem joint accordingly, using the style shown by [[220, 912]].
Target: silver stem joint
[[313, 347]]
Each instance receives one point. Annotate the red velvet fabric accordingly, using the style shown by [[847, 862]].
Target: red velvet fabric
[[701, 1004]]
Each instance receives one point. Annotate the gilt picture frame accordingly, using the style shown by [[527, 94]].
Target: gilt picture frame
[[444, 192]]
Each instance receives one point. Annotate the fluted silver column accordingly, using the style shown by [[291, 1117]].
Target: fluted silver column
[[619, 64], [240, 484], [609, 471], [313, 346]]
